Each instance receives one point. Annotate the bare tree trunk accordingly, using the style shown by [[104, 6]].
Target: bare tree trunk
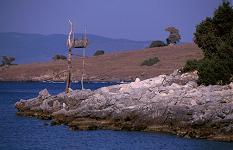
[[68, 81], [70, 45]]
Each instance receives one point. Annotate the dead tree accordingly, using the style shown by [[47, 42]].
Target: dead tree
[[70, 43], [75, 43]]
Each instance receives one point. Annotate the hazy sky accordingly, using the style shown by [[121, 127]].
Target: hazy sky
[[132, 19]]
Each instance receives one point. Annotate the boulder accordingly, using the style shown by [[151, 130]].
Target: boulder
[[44, 94], [56, 105], [137, 80], [231, 85]]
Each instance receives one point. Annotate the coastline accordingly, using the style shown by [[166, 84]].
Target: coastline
[[173, 104]]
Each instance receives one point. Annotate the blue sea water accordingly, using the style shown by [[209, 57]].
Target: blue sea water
[[24, 133]]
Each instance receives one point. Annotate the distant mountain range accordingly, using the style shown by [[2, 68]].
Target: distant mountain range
[[28, 48]]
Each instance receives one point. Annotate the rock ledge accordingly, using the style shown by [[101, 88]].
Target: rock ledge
[[173, 104]]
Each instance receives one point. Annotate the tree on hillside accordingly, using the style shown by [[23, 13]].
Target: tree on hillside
[[215, 37], [174, 35], [7, 60], [59, 57], [99, 52], [215, 32], [157, 44]]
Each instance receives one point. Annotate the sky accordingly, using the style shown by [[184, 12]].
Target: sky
[[129, 19]]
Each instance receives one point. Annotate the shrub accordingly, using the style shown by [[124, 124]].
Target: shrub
[[59, 57], [150, 61], [211, 71], [157, 44], [99, 52], [215, 37], [190, 65]]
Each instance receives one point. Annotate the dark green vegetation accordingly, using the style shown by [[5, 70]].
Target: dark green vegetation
[[215, 37], [157, 44], [174, 35], [190, 65], [59, 57], [213, 71], [7, 60], [99, 52], [150, 61]]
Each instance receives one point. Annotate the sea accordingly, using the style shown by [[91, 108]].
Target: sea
[[26, 133]]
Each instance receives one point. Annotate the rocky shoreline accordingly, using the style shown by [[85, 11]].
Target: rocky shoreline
[[167, 103]]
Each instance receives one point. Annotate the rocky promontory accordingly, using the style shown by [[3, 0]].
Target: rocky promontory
[[167, 103]]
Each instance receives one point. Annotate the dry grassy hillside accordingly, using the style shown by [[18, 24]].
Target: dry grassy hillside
[[109, 67]]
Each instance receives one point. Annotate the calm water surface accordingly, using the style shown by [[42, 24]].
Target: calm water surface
[[23, 133]]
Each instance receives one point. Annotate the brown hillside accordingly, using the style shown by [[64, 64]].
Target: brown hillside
[[109, 67]]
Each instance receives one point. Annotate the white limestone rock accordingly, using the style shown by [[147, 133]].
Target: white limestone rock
[[44, 94]]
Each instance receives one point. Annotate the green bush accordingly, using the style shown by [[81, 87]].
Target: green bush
[[211, 71], [99, 52], [150, 61], [157, 44], [190, 65], [59, 57], [215, 37]]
